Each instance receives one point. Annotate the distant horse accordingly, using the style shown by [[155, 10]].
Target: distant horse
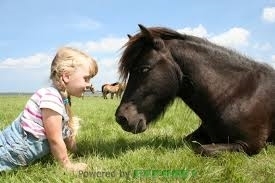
[[109, 88], [89, 88], [233, 95], [114, 89]]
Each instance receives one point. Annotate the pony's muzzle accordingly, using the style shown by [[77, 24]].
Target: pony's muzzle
[[122, 121], [129, 119]]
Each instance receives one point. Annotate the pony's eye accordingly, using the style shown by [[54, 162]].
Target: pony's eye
[[144, 69]]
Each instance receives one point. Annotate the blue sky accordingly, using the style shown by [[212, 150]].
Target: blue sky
[[31, 32]]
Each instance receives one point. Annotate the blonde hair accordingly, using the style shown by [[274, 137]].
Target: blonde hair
[[67, 60]]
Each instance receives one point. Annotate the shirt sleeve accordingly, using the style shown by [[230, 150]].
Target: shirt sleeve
[[52, 101]]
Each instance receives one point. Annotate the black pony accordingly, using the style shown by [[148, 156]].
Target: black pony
[[234, 96]]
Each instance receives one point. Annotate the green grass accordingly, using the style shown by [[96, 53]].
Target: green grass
[[105, 147]]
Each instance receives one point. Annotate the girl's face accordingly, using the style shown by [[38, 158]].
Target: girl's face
[[77, 82]]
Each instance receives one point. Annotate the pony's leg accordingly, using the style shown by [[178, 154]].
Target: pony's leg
[[215, 149], [105, 95], [250, 147], [112, 95], [199, 136]]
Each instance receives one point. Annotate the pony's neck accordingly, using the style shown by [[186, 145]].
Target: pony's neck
[[207, 75]]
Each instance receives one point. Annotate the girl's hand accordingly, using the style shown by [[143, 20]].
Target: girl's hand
[[75, 167]]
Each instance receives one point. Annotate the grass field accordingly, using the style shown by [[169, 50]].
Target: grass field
[[157, 155]]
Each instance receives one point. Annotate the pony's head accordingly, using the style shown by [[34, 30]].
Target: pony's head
[[153, 79]]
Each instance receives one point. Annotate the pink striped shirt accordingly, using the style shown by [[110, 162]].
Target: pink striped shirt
[[31, 117]]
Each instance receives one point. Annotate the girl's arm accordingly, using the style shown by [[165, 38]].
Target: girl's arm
[[53, 127]]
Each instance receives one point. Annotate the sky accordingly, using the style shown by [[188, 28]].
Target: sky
[[31, 31]]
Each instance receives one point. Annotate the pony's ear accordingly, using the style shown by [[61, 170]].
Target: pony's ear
[[129, 36], [146, 32], [157, 43]]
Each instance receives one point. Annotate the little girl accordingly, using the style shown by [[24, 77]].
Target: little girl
[[46, 123]]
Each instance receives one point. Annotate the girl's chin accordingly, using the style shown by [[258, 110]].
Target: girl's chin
[[78, 95]]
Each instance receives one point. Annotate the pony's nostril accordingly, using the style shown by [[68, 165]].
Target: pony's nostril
[[141, 126], [121, 120]]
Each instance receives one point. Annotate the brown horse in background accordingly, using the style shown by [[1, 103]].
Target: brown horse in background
[[114, 89], [91, 88]]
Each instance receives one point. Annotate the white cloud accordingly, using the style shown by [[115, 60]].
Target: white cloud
[[234, 37], [268, 14], [104, 45], [199, 31], [108, 62], [273, 58], [35, 61]]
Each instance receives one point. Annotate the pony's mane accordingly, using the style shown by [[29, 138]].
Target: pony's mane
[[136, 43]]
